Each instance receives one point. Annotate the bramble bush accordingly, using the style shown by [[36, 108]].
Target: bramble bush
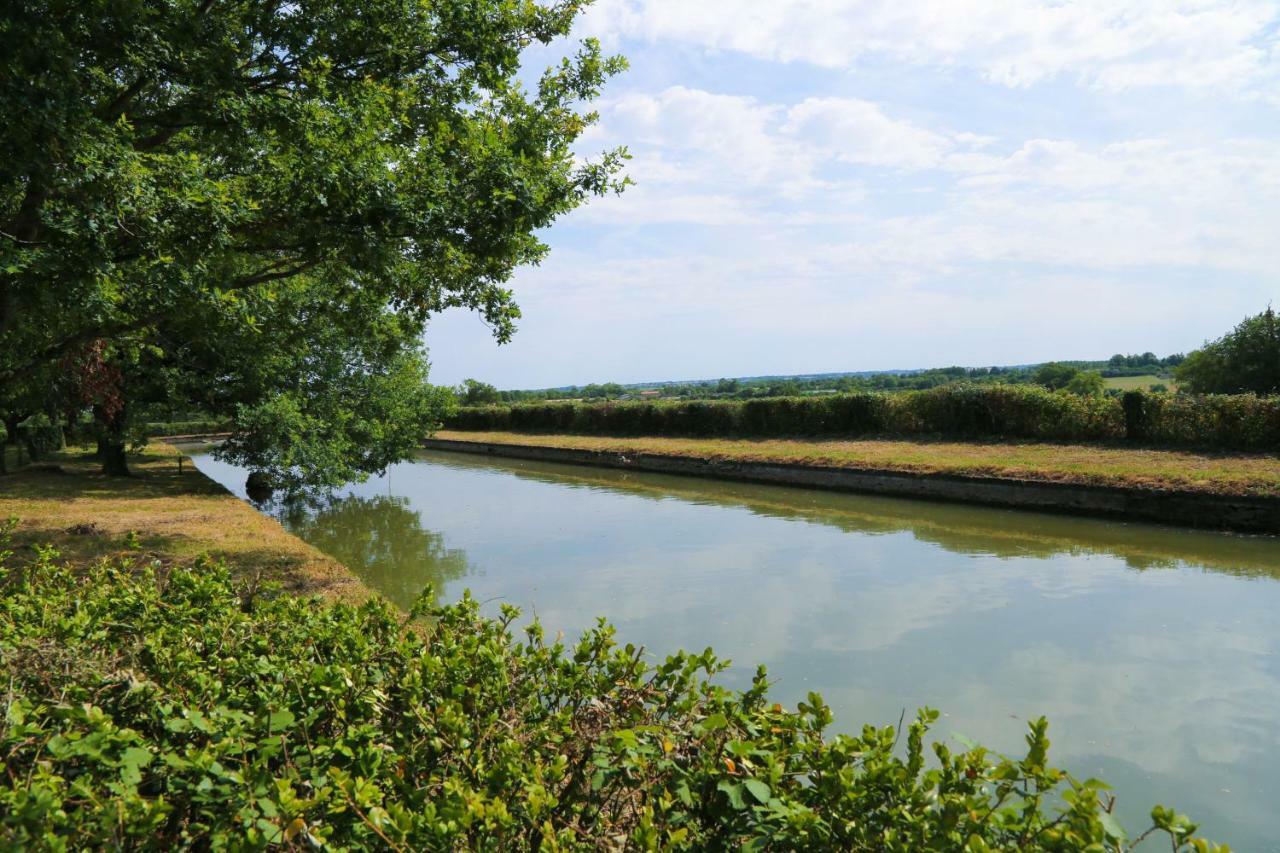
[[962, 411], [152, 708]]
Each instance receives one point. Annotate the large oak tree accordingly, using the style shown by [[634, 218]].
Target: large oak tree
[[253, 206]]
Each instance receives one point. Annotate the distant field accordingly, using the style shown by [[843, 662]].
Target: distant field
[[1140, 383]]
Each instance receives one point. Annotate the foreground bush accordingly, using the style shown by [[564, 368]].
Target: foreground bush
[[159, 710]]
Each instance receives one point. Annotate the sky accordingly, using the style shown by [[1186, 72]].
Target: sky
[[845, 185]]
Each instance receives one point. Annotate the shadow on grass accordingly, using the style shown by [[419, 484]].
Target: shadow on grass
[[77, 474], [156, 515]]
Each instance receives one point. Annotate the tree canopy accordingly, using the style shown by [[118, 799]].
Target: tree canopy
[[254, 207], [473, 392], [1055, 375], [1246, 359], [1087, 383]]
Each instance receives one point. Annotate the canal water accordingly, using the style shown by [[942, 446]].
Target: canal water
[[1155, 652]]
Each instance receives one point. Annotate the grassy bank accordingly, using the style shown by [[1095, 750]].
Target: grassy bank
[[160, 514], [1212, 473]]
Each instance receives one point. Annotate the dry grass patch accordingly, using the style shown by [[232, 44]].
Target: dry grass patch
[[1216, 473], [166, 515]]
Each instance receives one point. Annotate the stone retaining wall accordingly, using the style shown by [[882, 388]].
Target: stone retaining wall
[[1183, 508]]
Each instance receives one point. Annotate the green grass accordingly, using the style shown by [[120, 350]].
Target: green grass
[[1214, 473]]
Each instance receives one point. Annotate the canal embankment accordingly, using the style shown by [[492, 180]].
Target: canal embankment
[[1239, 492]]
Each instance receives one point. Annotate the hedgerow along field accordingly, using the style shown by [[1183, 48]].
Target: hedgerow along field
[[161, 708], [1218, 421]]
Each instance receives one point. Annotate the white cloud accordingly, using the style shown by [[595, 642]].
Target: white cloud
[[858, 131], [880, 206], [837, 165], [1225, 45], [685, 134]]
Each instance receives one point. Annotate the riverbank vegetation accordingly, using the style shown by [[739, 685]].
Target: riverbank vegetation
[[985, 412], [161, 513], [1209, 473], [162, 708]]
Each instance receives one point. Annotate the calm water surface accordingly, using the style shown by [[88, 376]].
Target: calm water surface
[[1154, 652]]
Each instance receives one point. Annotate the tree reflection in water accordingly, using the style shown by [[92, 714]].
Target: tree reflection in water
[[379, 538]]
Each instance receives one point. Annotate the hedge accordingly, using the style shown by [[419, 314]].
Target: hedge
[[186, 428], [1236, 421], [41, 437], [150, 708], [1240, 422]]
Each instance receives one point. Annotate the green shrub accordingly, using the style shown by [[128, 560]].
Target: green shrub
[[960, 410], [160, 709], [40, 435], [1229, 421], [965, 411]]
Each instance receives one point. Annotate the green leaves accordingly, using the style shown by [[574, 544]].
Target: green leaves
[[1246, 359], [236, 201], [757, 789], [248, 721]]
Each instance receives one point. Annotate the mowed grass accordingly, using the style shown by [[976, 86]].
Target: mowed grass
[[1140, 383], [1216, 473], [160, 514]]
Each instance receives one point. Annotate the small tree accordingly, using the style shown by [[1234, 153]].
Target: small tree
[[473, 392], [1246, 359], [1055, 375], [1087, 383]]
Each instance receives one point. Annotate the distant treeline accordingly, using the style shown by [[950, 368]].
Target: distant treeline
[[958, 410], [474, 392]]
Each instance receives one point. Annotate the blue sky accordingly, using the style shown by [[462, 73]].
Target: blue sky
[[829, 185]]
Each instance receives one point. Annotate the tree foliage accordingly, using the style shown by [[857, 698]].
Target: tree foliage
[[176, 710], [191, 185], [1055, 375], [473, 392], [1087, 383], [1245, 360]]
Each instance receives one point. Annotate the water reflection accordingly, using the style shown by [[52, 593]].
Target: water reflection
[[959, 528], [382, 539]]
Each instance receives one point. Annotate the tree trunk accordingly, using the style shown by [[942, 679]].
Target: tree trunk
[[114, 463], [111, 442], [10, 437]]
